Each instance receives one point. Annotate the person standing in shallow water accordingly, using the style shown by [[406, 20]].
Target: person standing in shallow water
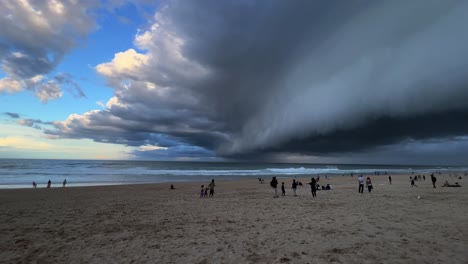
[[313, 187], [274, 185], [211, 186]]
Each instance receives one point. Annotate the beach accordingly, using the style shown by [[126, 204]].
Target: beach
[[242, 223]]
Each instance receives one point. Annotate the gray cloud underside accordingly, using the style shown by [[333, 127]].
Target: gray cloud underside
[[295, 76]]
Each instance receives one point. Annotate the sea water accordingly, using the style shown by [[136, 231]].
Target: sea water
[[20, 173]]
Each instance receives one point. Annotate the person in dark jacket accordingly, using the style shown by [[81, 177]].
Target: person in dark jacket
[[274, 185]]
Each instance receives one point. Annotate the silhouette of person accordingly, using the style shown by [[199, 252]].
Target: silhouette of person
[[313, 187], [434, 180], [274, 185], [283, 191], [294, 187], [49, 183], [64, 183], [211, 186]]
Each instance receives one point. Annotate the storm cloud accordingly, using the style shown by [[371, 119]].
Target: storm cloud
[[315, 77]]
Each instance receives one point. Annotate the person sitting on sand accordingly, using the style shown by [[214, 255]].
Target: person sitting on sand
[[446, 184], [274, 185], [172, 187]]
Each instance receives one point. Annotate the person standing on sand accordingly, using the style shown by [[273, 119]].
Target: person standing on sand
[[283, 191], [274, 185], [361, 184], [49, 183], [34, 184], [294, 187], [369, 184], [211, 186], [390, 179], [434, 180], [202, 191], [64, 183], [412, 183], [313, 187]]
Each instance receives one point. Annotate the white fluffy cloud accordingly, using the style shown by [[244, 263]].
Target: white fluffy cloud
[[36, 35]]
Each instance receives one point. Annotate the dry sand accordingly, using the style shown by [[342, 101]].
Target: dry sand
[[241, 224]]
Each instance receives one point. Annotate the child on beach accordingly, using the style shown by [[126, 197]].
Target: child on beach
[[206, 192], [283, 191], [202, 191]]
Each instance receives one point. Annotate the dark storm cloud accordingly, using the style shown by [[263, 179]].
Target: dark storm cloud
[[318, 77], [12, 115], [66, 78]]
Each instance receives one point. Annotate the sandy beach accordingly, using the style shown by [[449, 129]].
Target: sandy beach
[[242, 223]]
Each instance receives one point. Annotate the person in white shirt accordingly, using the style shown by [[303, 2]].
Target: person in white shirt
[[361, 183]]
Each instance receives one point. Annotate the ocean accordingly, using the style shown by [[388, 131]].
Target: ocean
[[20, 173]]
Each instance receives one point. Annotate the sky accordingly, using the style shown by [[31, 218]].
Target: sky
[[367, 82]]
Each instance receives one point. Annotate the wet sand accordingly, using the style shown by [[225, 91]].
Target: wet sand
[[242, 223]]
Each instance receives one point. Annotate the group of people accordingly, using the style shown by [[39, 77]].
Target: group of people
[[314, 186], [49, 184], [204, 190], [368, 184]]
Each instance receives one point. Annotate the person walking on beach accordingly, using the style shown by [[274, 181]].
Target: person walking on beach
[[434, 180], [211, 186], [361, 184], [49, 183], [294, 187], [413, 184], [313, 187], [274, 185], [390, 179], [369, 184], [64, 183], [283, 191]]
